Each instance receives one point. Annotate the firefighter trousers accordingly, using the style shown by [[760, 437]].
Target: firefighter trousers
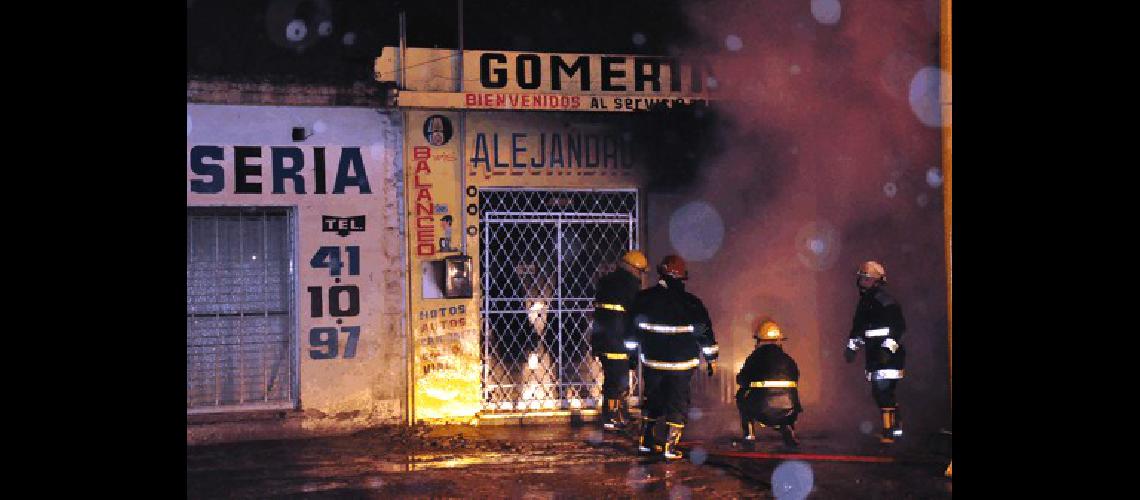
[[884, 393], [754, 406], [667, 394], [615, 382]]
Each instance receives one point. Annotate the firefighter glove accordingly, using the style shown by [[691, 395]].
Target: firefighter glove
[[890, 343]]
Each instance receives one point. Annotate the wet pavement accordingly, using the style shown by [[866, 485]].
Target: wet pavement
[[557, 461]]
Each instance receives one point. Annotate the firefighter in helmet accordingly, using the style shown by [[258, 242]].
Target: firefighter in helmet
[[615, 292], [768, 392], [673, 329], [879, 326]]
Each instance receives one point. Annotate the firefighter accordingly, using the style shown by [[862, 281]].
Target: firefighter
[[673, 329], [615, 292], [879, 326], [768, 391]]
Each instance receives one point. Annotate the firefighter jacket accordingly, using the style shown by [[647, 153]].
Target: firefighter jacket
[[772, 373], [614, 295], [672, 327], [879, 326]]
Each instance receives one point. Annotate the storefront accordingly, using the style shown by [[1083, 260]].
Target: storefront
[[524, 187], [432, 261], [295, 273]]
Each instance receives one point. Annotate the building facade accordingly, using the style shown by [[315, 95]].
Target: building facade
[[430, 258]]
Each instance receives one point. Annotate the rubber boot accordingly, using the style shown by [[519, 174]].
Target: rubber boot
[[646, 444], [749, 429], [789, 434], [896, 428], [891, 429], [671, 451], [609, 418], [622, 412]]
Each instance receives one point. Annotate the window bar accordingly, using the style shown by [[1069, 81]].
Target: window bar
[[189, 320], [240, 271], [292, 233], [217, 300], [265, 300]]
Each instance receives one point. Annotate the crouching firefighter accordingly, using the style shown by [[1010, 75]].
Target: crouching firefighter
[[674, 331], [879, 326], [768, 393], [608, 338]]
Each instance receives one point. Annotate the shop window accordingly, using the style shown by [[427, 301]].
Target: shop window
[[240, 319]]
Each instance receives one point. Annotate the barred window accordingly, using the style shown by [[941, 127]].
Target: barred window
[[240, 319]]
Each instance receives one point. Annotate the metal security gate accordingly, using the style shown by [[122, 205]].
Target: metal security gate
[[240, 321], [542, 254]]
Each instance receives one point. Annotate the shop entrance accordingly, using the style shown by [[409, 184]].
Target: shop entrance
[[542, 252]]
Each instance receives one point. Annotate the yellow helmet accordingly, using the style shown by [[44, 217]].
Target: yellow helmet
[[872, 269], [636, 259], [768, 331]]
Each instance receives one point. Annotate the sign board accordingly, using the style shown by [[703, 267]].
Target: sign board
[[507, 80]]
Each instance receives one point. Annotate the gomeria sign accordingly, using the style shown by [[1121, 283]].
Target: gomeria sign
[[545, 81]]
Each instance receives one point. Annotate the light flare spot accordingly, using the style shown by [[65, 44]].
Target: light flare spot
[[817, 246], [696, 414], [699, 455], [934, 177], [924, 97], [296, 30], [792, 479], [826, 12], [890, 189], [696, 231], [733, 43]]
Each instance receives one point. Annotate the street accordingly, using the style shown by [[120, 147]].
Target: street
[[556, 461]]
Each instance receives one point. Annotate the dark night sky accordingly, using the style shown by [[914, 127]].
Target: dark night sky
[[248, 40]]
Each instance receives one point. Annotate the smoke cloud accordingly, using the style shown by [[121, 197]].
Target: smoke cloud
[[829, 154]]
